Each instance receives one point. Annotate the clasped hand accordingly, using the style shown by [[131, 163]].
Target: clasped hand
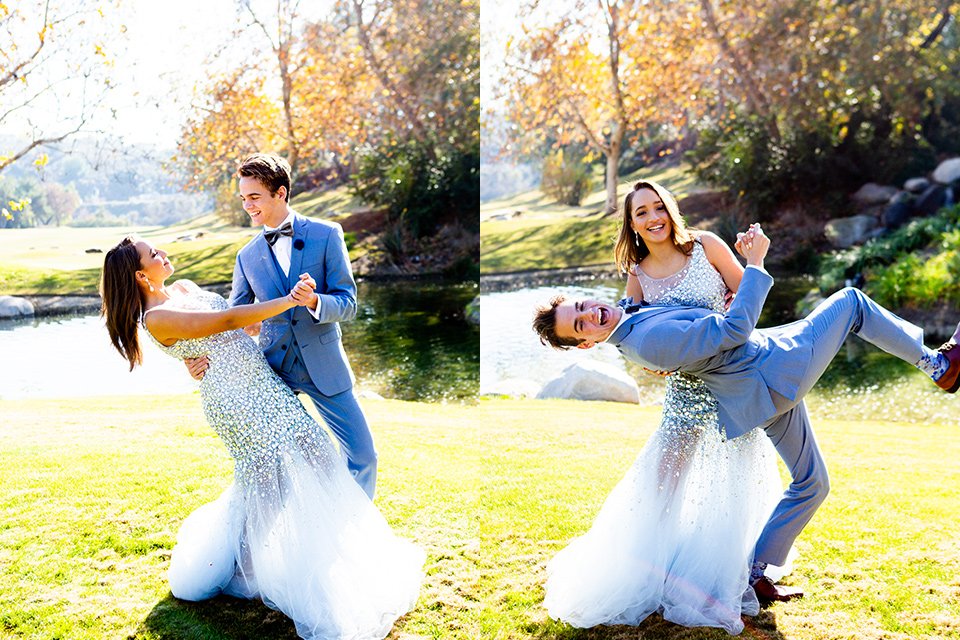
[[303, 293], [753, 244]]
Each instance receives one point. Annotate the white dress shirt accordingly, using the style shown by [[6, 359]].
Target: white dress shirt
[[282, 249]]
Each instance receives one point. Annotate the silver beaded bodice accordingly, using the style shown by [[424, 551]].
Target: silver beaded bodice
[[698, 284], [255, 414]]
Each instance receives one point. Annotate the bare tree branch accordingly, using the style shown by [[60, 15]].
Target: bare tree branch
[[409, 111], [944, 21], [757, 101], [6, 161]]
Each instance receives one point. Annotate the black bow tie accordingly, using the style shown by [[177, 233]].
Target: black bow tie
[[272, 235], [629, 306]]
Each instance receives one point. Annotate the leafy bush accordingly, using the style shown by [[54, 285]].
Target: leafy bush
[[566, 177], [917, 235], [917, 265], [915, 281], [818, 167], [422, 183]]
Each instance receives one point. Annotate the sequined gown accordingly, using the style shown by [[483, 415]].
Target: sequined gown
[[293, 528], [676, 534]]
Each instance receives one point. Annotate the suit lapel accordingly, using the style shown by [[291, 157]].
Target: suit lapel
[[643, 313], [269, 264], [300, 229]]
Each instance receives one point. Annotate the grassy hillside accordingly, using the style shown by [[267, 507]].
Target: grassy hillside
[[54, 260], [528, 231]]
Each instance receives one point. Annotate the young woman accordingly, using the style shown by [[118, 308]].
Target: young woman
[[293, 528], [676, 535]]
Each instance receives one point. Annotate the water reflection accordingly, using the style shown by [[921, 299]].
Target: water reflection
[[409, 341]]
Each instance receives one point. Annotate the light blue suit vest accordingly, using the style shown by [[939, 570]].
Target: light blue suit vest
[[318, 249]]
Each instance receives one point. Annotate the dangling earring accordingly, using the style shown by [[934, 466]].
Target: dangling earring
[[636, 238], [147, 280]]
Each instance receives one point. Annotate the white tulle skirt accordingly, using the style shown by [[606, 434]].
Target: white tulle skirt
[[676, 535], [301, 535]]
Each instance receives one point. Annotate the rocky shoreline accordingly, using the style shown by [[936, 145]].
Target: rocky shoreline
[[496, 282]]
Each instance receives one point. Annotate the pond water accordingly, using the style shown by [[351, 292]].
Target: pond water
[[862, 382], [409, 341]]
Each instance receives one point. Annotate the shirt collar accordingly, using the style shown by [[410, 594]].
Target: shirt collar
[[289, 218], [624, 316]]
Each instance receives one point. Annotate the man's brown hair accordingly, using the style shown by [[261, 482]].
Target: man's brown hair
[[545, 324], [270, 169]]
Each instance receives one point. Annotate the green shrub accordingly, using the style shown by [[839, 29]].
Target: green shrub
[[917, 265], [814, 166], [422, 182], [566, 177], [917, 235]]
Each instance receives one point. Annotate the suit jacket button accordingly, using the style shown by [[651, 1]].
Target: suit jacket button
[[283, 348], [293, 322]]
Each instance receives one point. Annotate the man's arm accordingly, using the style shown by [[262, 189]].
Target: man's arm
[[672, 344], [338, 302], [240, 293]]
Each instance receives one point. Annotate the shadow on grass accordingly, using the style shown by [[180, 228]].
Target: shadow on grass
[[762, 626], [220, 618]]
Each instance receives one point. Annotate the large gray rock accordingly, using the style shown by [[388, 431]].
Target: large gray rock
[[916, 185], [513, 388], [846, 232], [902, 196], [897, 215], [872, 193], [13, 307], [947, 171], [590, 380], [930, 201]]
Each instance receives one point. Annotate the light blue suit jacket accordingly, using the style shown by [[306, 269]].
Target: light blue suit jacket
[[738, 363], [323, 255]]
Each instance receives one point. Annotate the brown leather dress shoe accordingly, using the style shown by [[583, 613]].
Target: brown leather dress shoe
[[768, 592], [950, 380]]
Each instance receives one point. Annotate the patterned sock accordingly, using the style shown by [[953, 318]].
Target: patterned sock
[[933, 363], [756, 571]]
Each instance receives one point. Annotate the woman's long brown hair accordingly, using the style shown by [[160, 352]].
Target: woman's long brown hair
[[626, 252], [122, 304]]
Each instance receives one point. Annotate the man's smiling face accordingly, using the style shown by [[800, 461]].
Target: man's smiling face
[[262, 206], [588, 321]]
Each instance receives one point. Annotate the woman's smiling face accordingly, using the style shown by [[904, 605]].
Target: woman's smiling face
[[649, 217]]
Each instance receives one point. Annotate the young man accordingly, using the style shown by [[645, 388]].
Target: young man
[[759, 377], [302, 345]]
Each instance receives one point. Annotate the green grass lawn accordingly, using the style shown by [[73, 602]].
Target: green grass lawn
[[540, 234], [93, 491]]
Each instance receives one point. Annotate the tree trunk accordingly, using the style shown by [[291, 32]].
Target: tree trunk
[[612, 177], [293, 147]]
